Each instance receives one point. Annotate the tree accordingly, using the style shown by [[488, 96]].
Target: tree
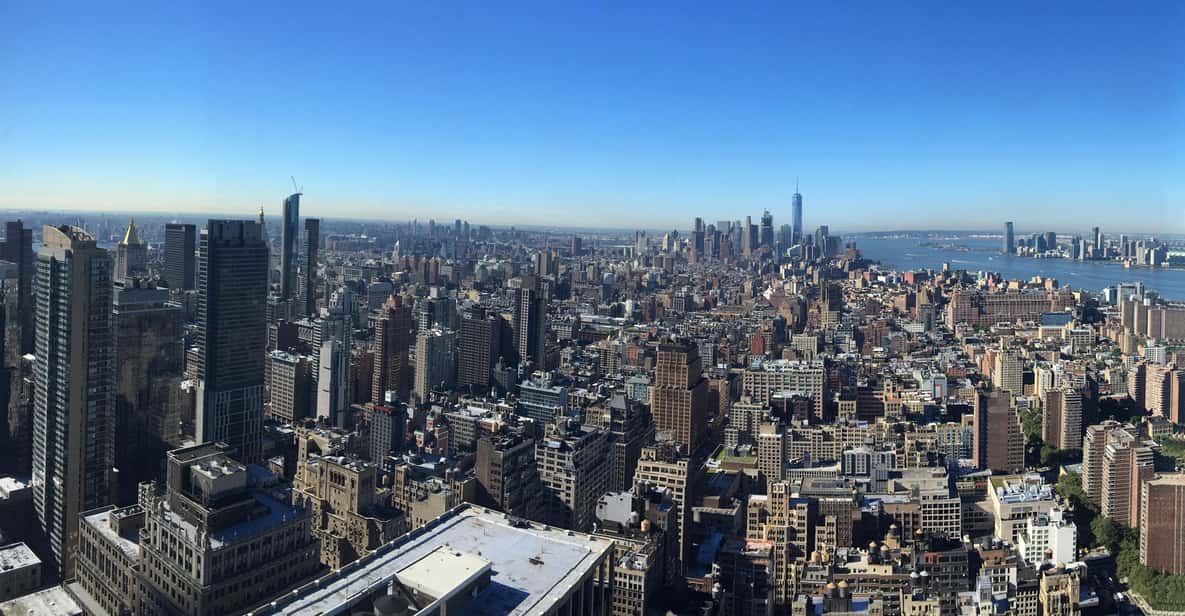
[[1106, 533]]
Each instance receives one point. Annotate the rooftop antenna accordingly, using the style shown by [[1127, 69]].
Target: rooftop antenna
[[796, 183], [294, 188]]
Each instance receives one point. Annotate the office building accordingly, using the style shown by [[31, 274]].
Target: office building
[[220, 537], [394, 332], [289, 237], [388, 427], [1009, 239], [231, 336], [349, 518], [679, 396], [630, 429], [20, 571], [542, 401], [17, 248], [574, 465], [74, 416], [766, 378], [507, 476], [664, 468], [291, 387], [308, 282], [131, 255], [109, 559], [333, 383], [436, 362], [150, 366], [180, 256], [468, 561], [999, 444], [479, 342], [976, 307], [529, 324]]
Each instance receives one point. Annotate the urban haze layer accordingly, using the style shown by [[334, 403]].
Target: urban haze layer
[[287, 415]]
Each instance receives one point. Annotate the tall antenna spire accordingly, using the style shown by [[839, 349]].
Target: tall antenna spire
[[796, 183]]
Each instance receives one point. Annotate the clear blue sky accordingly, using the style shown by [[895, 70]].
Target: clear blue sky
[[942, 114]]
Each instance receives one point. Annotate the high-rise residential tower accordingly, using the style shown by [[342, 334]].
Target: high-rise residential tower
[[180, 256], [1009, 239], [308, 281], [231, 335], [436, 361], [530, 321], [394, 332], [74, 419], [289, 234]]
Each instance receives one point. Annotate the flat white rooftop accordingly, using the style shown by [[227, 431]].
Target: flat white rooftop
[[442, 571], [53, 601], [15, 556], [533, 568]]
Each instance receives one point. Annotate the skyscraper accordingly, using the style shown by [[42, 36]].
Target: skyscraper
[[679, 398], [436, 364], [393, 335], [796, 233], [767, 229], [479, 348], [180, 250], [231, 335], [150, 365], [308, 291], [1009, 239], [289, 233], [998, 443], [131, 255], [333, 383], [74, 419], [530, 321], [17, 248]]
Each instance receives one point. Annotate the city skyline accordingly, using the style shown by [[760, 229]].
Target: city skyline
[[642, 116]]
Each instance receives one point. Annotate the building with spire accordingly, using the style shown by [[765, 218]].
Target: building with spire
[[131, 255], [796, 231]]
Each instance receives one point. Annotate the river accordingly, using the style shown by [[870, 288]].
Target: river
[[983, 255]]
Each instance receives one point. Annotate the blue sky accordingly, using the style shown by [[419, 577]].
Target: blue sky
[[943, 114]]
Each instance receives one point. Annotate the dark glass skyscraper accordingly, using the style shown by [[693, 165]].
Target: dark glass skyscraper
[[1009, 239], [231, 335], [180, 259], [767, 229], [17, 248], [308, 291], [289, 235], [73, 419]]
